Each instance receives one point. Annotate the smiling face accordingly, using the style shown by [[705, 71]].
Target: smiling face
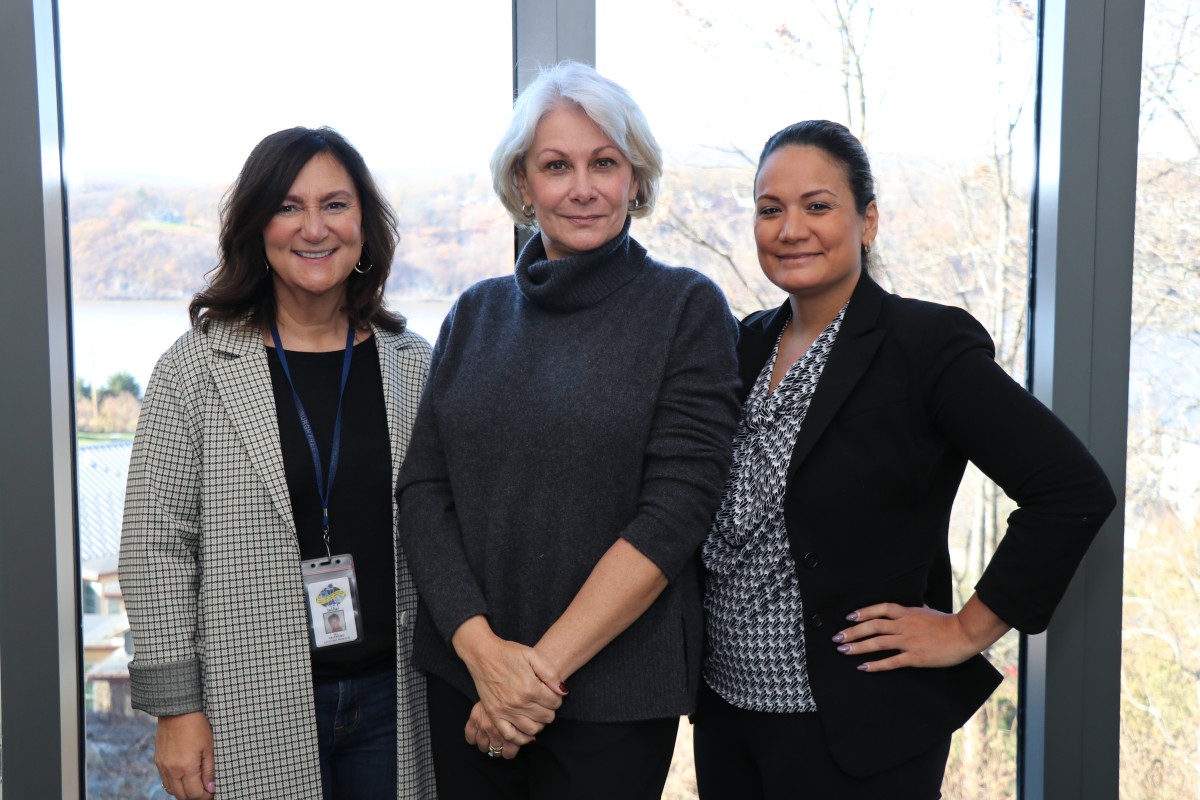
[[315, 238], [808, 231], [578, 182]]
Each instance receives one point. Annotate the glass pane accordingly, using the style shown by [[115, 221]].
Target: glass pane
[[953, 153], [1160, 660], [162, 103]]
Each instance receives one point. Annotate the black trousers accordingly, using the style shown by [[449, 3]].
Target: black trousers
[[753, 755], [570, 759]]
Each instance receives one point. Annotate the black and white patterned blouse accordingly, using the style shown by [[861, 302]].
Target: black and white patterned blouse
[[755, 652]]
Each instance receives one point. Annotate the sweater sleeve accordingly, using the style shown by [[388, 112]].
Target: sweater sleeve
[[1063, 495], [688, 452], [429, 524], [160, 534]]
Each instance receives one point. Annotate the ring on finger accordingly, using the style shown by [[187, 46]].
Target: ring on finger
[[495, 752]]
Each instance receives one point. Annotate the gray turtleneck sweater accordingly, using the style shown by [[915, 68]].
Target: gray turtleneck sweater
[[586, 399]]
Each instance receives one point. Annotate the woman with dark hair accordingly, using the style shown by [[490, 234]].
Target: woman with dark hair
[[835, 663], [261, 490], [564, 467]]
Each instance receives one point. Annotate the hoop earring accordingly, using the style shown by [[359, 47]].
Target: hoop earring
[[370, 264], [527, 211], [635, 204], [267, 264]]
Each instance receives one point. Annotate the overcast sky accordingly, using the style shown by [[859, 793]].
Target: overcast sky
[[185, 91]]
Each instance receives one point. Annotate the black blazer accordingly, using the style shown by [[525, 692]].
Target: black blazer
[[909, 393]]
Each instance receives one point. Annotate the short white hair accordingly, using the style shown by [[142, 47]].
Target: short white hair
[[605, 102]]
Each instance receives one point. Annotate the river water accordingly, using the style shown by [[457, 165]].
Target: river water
[[130, 335]]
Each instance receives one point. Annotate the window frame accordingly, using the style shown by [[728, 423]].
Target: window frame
[[41, 679], [1081, 294]]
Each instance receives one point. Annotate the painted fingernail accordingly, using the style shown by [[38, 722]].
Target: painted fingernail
[[852, 616], [562, 687], [839, 637], [864, 667], [843, 648]]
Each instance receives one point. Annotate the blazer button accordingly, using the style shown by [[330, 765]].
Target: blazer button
[[811, 560], [816, 620], [403, 619]]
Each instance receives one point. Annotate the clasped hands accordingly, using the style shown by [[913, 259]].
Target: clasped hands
[[519, 692], [923, 637]]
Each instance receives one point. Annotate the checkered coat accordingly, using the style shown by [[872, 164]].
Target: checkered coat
[[210, 565]]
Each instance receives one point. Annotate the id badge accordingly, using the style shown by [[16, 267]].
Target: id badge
[[331, 592]]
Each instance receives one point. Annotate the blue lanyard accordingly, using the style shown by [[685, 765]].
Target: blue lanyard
[[323, 486]]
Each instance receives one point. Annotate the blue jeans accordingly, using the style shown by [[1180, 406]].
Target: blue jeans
[[356, 731]]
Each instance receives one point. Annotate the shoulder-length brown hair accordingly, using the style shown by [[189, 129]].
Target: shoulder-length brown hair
[[240, 286]]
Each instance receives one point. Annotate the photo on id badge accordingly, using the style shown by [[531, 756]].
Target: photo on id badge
[[331, 609]]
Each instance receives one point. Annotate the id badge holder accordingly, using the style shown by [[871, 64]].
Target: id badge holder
[[331, 595]]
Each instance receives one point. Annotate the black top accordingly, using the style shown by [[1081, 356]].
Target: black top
[[584, 400], [360, 502]]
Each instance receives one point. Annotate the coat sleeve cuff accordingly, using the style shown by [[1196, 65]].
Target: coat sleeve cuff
[[163, 690]]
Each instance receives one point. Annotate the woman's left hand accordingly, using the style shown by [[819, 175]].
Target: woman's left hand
[[923, 636], [482, 732]]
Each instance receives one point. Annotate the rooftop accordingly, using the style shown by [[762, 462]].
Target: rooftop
[[102, 469]]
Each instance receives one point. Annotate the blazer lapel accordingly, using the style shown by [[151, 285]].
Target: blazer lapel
[[756, 339], [385, 341], [856, 344], [401, 406], [238, 362]]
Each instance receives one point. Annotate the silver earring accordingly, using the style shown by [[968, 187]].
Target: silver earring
[[527, 211], [370, 264], [267, 263], [635, 204]]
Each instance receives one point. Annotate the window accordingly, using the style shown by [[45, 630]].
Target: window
[[1160, 712], [161, 105], [91, 598], [952, 151], [39, 757]]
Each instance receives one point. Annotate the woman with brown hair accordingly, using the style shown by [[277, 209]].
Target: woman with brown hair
[[260, 501]]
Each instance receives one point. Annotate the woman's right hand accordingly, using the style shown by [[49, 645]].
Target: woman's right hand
[[518, 690], [183, 753]]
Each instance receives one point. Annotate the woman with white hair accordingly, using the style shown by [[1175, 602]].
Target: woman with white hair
[[564, 466]]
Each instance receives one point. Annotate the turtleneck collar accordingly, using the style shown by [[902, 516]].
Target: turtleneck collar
[[576, 282]]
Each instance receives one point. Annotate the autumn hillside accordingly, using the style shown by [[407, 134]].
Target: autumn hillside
[[137, 240]]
